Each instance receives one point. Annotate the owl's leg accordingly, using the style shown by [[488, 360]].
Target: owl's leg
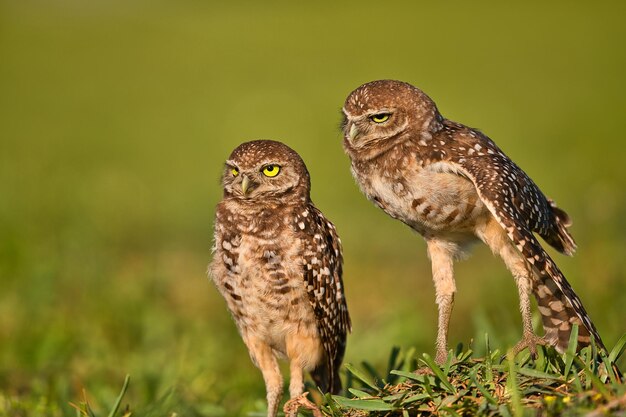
[[263, 357], [301, 350], [498, 241], [296, 381], [524, 280], [298, 398], [442, 257]]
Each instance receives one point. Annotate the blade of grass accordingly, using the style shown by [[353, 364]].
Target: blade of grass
[[393, 359], [118, 401], [438, 372], [450, 411], [370, 370], [408, 359], [410, 375], [448, 364], [484, 391], [369, 405], [594, 379], [332, 405], [414, 398], [361, 376], [570, 354], [465, 355], [84, 409], [516, 402], [609, 368], [395, 397], [577, 383], [541, 362], [618, 349], [428, 388], [488, 374], [538, 374], [358, 393]]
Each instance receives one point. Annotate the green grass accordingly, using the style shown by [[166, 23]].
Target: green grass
[[571, 384], [116, 117], [493, 385]]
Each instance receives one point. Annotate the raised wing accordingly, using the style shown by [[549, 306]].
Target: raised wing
[[520, 208]]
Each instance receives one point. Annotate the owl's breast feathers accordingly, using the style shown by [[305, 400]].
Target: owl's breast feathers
[[257, 267], [291, 258]]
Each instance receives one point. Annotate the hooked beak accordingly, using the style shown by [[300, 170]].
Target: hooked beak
[[354, 132], [245, 182]]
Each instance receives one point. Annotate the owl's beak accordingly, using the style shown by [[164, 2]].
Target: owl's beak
[[245, 183], [354, 132]]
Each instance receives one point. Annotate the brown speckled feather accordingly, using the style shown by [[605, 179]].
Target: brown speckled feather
[[453, 185], [521, 208], [277, 262], [323, 260]]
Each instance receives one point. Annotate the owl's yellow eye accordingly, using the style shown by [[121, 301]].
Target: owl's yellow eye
[[235, 172], [271, 170], [380, 117]]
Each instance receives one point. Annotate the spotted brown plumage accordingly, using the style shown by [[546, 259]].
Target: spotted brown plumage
[[453, 185], [278, 264], [521, 208], [322, 271]]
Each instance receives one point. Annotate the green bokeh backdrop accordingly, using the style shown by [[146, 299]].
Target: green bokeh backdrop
[[116, 117]]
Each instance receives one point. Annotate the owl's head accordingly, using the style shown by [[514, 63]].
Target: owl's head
[[384, 111], [265, 169]]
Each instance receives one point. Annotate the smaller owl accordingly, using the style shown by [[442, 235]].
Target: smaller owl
[[277, 262]]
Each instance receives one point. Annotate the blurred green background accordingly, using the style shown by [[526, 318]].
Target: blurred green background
[[116, 117]]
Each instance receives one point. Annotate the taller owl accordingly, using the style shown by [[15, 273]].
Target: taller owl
[[278, 263], [453, 185]]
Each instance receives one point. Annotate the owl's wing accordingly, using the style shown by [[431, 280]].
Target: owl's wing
[[520, 208], [322, 273]]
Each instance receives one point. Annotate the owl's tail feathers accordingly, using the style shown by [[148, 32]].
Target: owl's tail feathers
[[559, 237], [559, 313], [326, 374], [561, 308], [327, 381]]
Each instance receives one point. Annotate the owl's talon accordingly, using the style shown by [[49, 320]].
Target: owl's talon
[[424, 370], [293, 405], [529, 341]]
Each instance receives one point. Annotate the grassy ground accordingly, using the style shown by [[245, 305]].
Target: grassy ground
[[572, 384], [115, 119], [494, 385]]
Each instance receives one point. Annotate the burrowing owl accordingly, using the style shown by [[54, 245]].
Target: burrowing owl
[[453, 185], [278, 263]]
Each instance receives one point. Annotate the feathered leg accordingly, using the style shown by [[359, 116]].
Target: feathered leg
[[264, 359], [496, 238], [300, 349], [441, 258]]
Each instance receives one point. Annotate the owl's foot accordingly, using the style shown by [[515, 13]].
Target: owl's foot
[[293, 405], [529, 341], [442, 357], [424, 370], [441, 361]]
